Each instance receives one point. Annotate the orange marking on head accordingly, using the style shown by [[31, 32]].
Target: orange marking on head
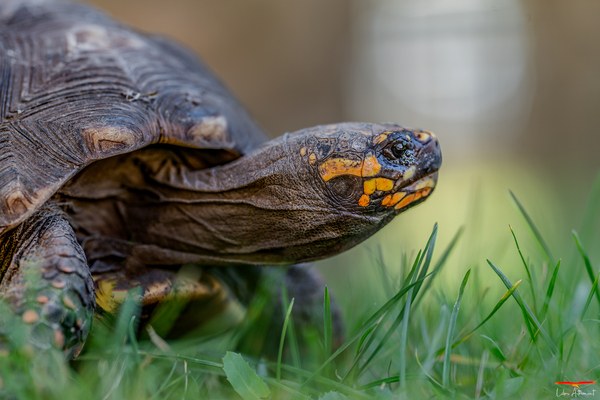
[[364, 200], [312, 159], [339, 166], [405, 201], [371, 166], [396, 198], [303, 151], [386, 200]]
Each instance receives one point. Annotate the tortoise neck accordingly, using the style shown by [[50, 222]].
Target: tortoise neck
[[260, 209]]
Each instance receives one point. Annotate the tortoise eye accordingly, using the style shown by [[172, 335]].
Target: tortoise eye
[[397, 150], [401, 151]]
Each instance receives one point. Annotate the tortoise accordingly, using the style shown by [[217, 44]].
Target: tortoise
[[124, 161]]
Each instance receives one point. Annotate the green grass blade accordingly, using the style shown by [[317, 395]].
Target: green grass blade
[[132, 333], [495, 349], [594, 289], [587, 262], [421, 264], [166, 383], [363, 338], [534, 229], [368, 340], [209, 365], [128, 311], [428, 250], [382, 381], [327, 322], [451, 327], [367, 325], [527, 270], [329, 384], [525, 309], [291, 330], [441, 261], [430, 378], [550, 291], [499, 304], [286, 321], [404, 338]]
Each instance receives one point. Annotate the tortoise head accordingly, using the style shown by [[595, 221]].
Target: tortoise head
[[372, 169]]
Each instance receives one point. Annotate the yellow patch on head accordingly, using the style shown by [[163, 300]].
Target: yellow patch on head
[[384, 184], [423, 136], [335, 167], [371, 166], [409, 173], [427, 183], [370, 186], [312, 159], [364, 200], [303, 151]]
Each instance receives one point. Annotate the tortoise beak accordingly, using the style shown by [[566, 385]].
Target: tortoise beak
[[431, 154]]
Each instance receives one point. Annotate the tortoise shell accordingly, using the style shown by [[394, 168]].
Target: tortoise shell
[[77, 87]]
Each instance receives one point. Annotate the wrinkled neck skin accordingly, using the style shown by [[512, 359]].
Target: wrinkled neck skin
[[268, 207]]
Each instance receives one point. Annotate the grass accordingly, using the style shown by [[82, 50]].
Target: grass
[[512, 336]]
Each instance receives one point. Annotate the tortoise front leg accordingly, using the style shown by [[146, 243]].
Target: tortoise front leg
[[46, 281]]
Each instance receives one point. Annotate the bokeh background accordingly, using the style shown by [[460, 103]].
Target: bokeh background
[[511, 88]]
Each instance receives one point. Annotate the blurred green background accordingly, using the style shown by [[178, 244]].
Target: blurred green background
[[510, 87]]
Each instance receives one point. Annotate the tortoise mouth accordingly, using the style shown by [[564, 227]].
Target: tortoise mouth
[[405, 194]]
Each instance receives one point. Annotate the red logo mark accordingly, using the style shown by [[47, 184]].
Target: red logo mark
[[575, 384]]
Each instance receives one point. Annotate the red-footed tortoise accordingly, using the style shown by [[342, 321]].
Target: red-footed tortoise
[[122, 159]]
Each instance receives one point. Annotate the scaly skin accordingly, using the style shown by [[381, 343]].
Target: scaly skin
[[46, 280]]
